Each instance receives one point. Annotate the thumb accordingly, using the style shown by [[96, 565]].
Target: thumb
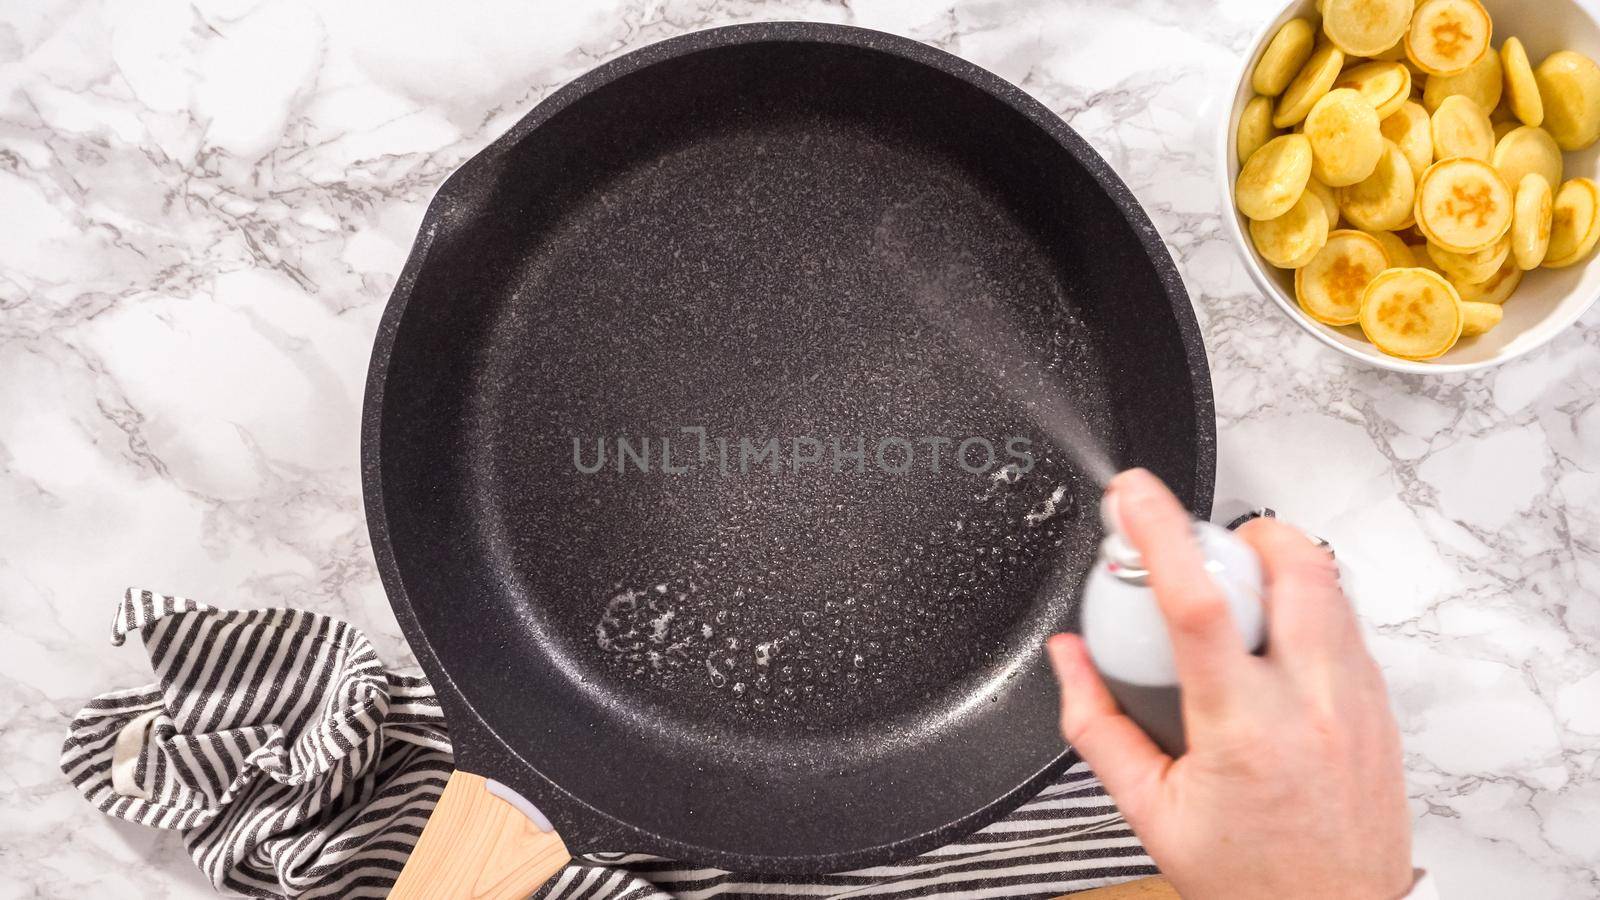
[[1128, 763]]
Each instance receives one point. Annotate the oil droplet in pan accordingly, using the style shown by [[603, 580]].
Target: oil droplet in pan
[[674, 628]]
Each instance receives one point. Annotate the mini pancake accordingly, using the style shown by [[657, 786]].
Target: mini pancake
[[1274, 177], [1522, 90], [1397, 53], [1292, 239], [1330, 201], [1384, 200], [1447, 36], [1471, 268], [1481, 82], [1569, 87], [1575, 223], [1365, 27], [1400, 256], [1384, 85], [1527, 149], [1411, 313], [1463, 205], [1346, 142], [1418, 76], [1460, 128], [1496, 290], [1255, 127], [1330, 286], [1420, 253], [1479, 318], [1286, 53], [1531, 215], [1412, 130], [1316, 78]]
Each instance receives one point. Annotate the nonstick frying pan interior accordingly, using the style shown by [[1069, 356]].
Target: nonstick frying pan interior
[[744, 231]]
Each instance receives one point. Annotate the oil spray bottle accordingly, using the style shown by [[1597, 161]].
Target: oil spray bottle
[[1127, 637]]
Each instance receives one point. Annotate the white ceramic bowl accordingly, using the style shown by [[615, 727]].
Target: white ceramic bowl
[[1547, 301]]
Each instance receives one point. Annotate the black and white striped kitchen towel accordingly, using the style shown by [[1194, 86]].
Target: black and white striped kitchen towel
[[296, 765]]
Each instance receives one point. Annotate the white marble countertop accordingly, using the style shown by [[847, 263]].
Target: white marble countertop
[[203, 206]]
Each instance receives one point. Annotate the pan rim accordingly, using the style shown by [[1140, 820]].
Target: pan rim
[[437, 218]]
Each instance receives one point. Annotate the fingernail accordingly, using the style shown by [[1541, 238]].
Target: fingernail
[[1131, 480]]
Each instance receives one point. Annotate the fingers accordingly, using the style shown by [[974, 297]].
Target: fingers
[[1128, 763], [1308, 617], [1206, 646]]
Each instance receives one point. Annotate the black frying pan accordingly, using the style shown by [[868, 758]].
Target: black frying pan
[[740, 230]]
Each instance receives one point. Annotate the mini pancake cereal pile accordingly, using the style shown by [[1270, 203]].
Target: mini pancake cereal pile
[[1410, 172]]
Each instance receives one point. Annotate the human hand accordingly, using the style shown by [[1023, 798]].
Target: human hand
[[1292, 785]]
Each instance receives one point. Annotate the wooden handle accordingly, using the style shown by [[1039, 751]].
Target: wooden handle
[[478, 847], [1156, 888]]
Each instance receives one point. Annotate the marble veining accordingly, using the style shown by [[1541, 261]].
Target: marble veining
[[203, 206]]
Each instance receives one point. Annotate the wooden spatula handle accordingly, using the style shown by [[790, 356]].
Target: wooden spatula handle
[[477, 846], [1156, 888]]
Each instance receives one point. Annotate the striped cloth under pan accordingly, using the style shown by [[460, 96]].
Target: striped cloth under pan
[[296, 765]]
